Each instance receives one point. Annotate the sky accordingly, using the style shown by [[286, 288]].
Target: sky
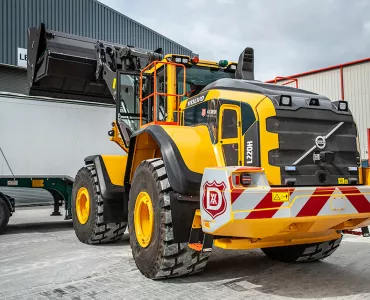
[[288, 36]]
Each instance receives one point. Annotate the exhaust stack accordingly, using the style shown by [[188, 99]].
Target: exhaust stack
[[245, 68]]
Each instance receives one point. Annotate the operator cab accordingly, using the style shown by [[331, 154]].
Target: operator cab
[[153, 95]]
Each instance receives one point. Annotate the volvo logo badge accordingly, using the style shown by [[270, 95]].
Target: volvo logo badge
[[320, 142]]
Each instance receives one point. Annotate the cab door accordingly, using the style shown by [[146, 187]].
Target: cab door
[[230, 135]]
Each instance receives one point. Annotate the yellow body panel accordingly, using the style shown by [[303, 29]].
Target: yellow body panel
[[116, 166], [145, 148], [268, 141], [115, 137], [260, 233], [264, 228], [275, 241], [365, 172], [195, 146]]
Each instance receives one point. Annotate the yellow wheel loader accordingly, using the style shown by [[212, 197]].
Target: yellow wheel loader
[[214, 158]]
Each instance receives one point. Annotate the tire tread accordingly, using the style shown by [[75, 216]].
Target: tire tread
[[101, 233], [174, 259], [303, 253]]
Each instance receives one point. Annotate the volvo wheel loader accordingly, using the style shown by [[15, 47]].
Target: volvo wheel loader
[[214, 158]]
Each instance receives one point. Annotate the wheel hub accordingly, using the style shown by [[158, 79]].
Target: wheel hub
[[143, 219], [83, 205]]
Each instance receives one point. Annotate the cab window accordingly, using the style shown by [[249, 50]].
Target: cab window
[[205, 113], [197, 78]]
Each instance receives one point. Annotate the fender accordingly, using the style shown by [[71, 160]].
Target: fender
[[9, 201], [112, 194], [183, 180]]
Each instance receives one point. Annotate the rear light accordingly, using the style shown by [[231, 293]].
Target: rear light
[[245, 179], [285, 101]]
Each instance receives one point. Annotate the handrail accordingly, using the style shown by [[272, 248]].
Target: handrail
[[156, 93], [292, 79]]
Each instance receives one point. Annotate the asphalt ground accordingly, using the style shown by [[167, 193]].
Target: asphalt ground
[[41, 258]]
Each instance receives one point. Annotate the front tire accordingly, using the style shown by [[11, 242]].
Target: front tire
[[303, 253], [155, 252], [88, 211]]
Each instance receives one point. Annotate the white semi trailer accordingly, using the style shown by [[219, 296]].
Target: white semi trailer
[[46, 139]]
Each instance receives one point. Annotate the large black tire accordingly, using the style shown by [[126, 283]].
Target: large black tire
[[162, 258], [303, 253], [94, 231], [4, 215]]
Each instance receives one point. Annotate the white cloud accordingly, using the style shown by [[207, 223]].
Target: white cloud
[[288, 36], [367, 26], [226, 1]]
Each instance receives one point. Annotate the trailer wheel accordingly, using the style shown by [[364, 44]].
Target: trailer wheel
[[4, 215], [303, 253], [87, 211], [154, 250]]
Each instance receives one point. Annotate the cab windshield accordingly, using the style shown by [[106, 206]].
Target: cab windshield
[[197, 78]]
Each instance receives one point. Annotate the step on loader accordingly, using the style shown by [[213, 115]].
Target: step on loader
[[210, 158]]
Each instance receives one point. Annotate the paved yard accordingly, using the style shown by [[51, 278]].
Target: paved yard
[[45, 261]]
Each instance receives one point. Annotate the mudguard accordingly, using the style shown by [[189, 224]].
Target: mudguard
[[182, 180], [115, 209]]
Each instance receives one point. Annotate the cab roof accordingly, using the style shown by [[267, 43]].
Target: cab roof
[[253, 86]]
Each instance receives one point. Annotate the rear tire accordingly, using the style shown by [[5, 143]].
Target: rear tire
[[94, 231], [4, 215], [303, 253], [162, 257]]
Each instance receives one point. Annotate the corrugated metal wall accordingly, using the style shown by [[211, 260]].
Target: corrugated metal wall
[[13, 80], [326, 83], [356, 85], [88, 18], [356, 82]]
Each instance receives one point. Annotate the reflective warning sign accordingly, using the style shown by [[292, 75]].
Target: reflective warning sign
[[280, 196]]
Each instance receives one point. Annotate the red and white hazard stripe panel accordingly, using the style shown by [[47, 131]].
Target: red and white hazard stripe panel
[[222, 199]]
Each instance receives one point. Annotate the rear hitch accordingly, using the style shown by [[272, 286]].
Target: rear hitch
[[364, 232]]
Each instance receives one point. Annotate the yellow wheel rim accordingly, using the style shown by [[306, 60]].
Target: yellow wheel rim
[[143, 219], [83, 205]]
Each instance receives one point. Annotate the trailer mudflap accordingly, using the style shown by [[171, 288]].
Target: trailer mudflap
[[259, 211]]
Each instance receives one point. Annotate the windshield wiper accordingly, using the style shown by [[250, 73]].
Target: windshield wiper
[[324, 138]]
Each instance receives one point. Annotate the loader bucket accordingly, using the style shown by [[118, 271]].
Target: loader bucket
[[61, 65]]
